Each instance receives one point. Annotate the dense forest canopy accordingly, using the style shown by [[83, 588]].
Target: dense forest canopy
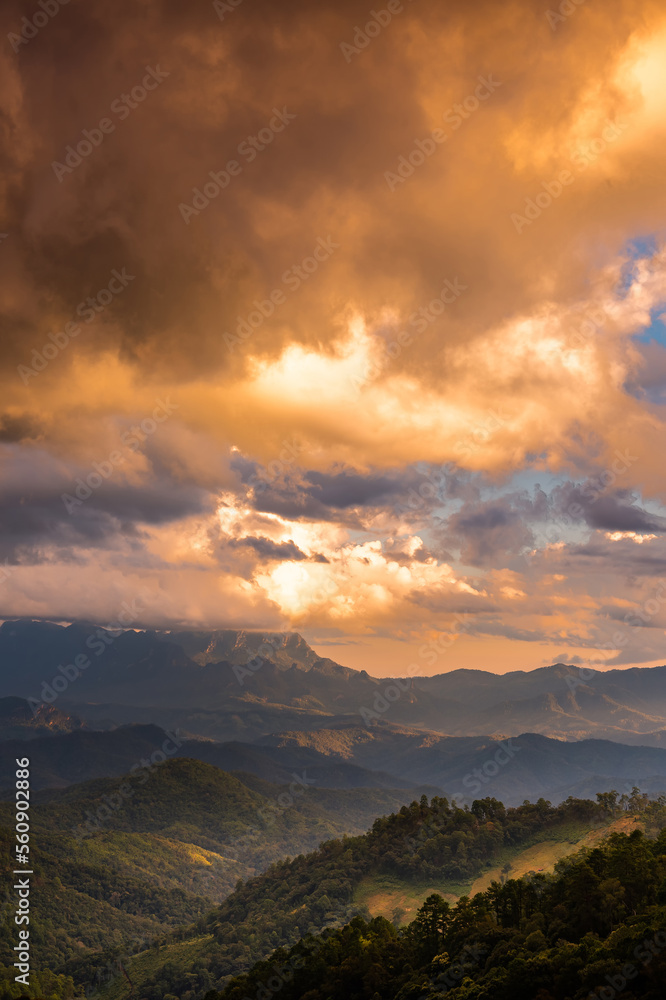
[[596, 927], [305, 912]]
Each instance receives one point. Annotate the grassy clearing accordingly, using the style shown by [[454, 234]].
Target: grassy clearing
[[389, 897], [395, 899]]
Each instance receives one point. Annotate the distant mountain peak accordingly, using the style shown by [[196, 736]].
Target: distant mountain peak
[[240, 646], [17, 720]]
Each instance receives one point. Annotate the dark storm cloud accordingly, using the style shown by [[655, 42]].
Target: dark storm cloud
[[223, 79], [489, 531], [21, 428], [351, 489], [620, 513], [294, 505], [322, 496], [42, 507], [267, 549], [623, 556], [119, 206], [245, 467], [613, 510], [311, 494], [501, 347]]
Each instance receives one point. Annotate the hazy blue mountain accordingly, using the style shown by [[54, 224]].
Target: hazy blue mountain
[[241, 685], [348, 757]]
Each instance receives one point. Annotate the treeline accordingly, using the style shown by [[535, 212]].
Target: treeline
[[597, 926], [440, 839], [299, 897], [89, 915]]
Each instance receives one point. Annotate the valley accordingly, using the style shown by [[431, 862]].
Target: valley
[[183, 856]]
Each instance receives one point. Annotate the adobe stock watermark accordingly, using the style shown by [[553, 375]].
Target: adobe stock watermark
[[391, 693], [563, 12], [140, 771], [101, 471], [593, 491], [552, 189], [643, 953], [379, 19], [31, 26], [595, 317], [419, 320], [453, 116], [475, 780], [122, 107], [88, 310], [399, 686], [249, 149], [285, 800], [650, 607], [435, 480], [98, 642], [260, 481], [282, 802], [622, 637], [224, 7], [452, 975], [255, 662], [292, 278], [283, 974]]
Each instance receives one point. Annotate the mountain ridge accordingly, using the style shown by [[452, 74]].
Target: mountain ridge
[[385, 757], [269, 679]]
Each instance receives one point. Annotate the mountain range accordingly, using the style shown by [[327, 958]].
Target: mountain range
[[241, 685], [384, 757], [174, 774]]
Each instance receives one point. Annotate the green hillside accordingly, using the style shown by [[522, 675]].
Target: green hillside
[[426, 844], [595, 928], [163, 856]]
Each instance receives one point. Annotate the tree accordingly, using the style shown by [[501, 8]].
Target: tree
[[430, 924], [608, 801]]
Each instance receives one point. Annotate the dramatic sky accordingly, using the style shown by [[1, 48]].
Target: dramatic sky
[[344, 459]]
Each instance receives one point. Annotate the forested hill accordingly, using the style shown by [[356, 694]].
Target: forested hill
[[112, 868], [595, 928], [423, 844]]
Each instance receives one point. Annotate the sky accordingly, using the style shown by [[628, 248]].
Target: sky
[[346, 323]]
